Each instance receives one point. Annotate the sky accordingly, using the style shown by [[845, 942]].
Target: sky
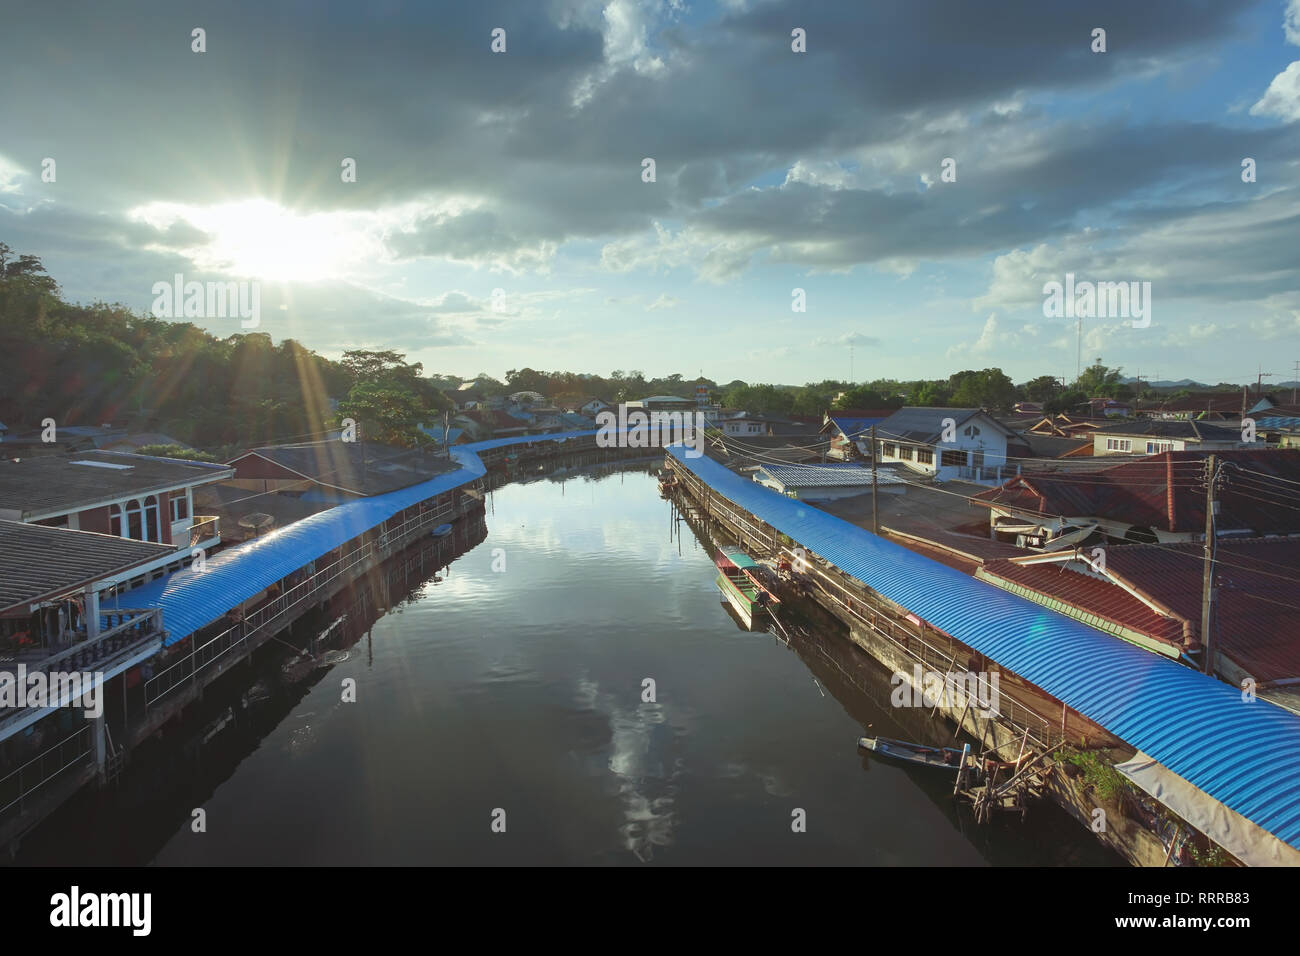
[[501, 215]]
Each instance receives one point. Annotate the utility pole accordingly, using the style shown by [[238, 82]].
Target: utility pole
[[1295, 381], [1078, 353], [1207, 577], [875, 510], [1259, 382]]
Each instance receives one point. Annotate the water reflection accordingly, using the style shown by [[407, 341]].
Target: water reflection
[[517, 681]]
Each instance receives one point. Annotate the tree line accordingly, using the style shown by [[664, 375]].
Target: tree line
[[97, 363]]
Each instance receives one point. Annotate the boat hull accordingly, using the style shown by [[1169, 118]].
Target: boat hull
[[745, 605], [915, 755]]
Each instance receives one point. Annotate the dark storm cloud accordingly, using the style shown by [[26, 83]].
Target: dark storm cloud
[[548, 138], [1008, 204]]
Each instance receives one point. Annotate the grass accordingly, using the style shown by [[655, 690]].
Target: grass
[[1098, 773]]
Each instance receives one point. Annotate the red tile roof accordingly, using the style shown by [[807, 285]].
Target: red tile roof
[[1165, 492], [1258, 582], [1093, 595]]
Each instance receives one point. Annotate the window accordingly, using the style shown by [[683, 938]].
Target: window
[[952, 459], [152, 527], [1156, 447], [906, 454], [134, 527], [889, 449], [115, 520], [925, 456], [180, 508], [1119, 444]]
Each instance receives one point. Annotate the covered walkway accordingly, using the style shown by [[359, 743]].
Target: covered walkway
[[1245, 754]]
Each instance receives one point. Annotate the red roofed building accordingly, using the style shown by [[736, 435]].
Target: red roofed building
[[1159, 498], [1150, 595]]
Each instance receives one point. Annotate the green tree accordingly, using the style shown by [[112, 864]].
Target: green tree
[[1068, 402], [1041, 389], [1098, 381], [989, 388], [932, 395], [864, 396], [175, 451], [390, 398]]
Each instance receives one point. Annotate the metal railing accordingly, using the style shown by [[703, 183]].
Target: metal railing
[[912, 642], [19, 785], [860, 605], [203, 528], [234, 638], [136, 626]]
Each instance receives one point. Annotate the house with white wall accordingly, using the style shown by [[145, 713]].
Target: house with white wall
[[946, 443], [1153, 436]]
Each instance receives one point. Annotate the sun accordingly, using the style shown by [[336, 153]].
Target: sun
[[260, 239]]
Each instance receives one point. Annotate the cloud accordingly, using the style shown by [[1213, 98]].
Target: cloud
[[1282, 98], [10, 173], [665, 301], [847, 339]]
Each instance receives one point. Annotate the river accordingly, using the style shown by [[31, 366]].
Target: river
[[502, 715]]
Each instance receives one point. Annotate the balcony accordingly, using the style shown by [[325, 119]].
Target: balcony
[[127, 633], [205, 530]]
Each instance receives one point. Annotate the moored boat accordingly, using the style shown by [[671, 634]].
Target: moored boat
[[441, 531], [739, 579], [940, 758]]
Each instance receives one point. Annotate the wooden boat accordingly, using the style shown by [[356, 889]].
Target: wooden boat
[[739, 579], [940, 758], [441, 531]]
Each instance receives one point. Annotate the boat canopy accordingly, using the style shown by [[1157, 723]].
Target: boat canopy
[[739, 558]]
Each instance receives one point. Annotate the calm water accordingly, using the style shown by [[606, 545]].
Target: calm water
[[515, 684]]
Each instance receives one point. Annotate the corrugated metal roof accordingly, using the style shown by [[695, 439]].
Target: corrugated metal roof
[[1159, 491], [1277, 421], [1244, 754], [1094, 595], [1255, 624], [825, 476], [854, 427], [37, 561], [193, 599]]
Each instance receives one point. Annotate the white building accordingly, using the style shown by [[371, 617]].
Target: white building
[[1149, 436], [946, 443]]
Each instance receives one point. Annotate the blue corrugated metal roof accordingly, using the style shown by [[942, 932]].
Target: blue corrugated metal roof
[[191, 599], [1244, 754], [1277, 421]]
